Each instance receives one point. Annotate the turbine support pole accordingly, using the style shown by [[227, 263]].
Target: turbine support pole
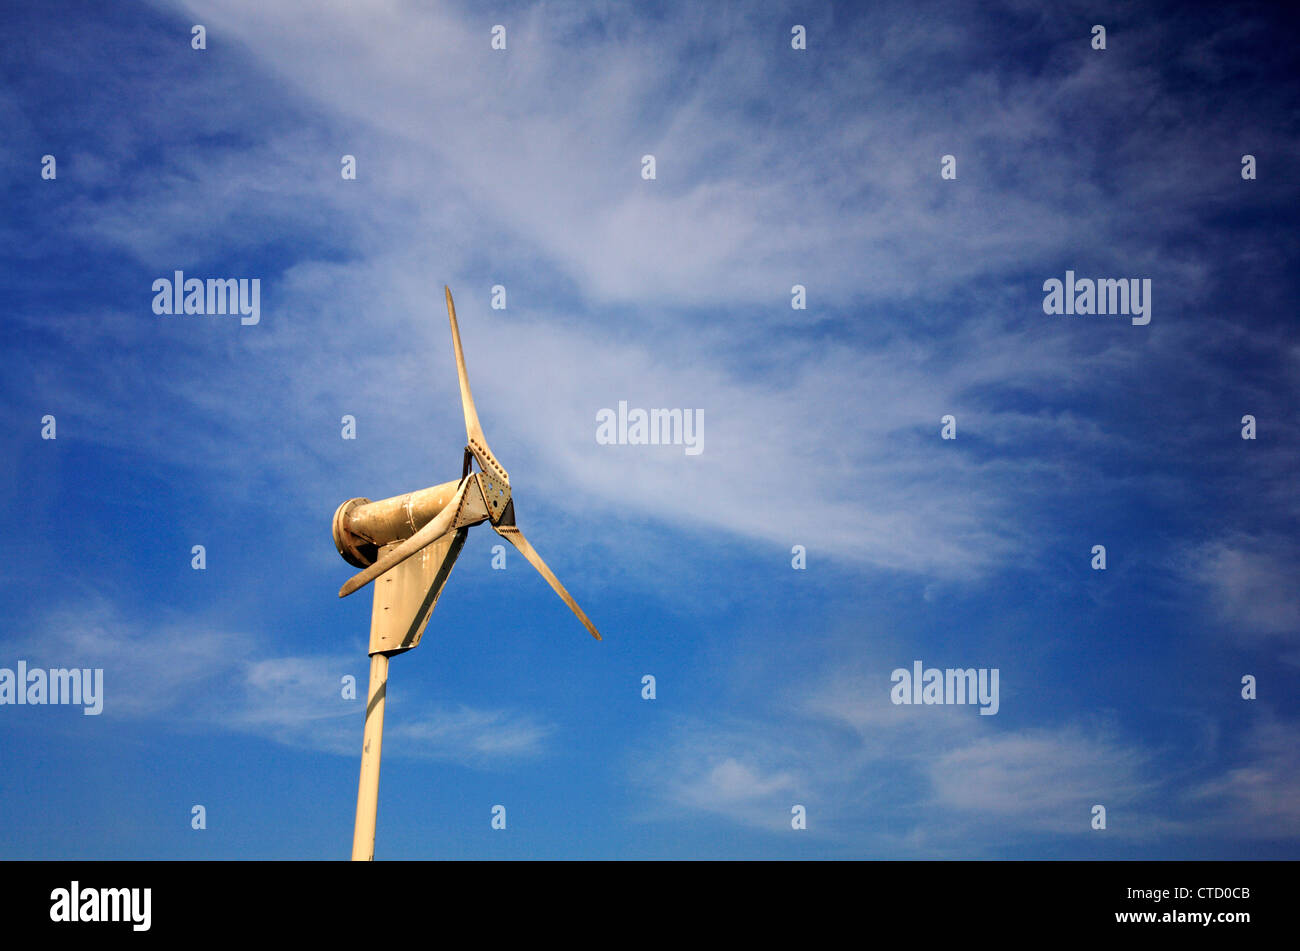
[[407, 546], [363, 836]]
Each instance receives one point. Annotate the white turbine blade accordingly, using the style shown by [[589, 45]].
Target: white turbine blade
[[473, 431], [512, 534]]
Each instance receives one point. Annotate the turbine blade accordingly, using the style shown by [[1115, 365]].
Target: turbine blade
[[512, 534], [473, 431], [435, 528]]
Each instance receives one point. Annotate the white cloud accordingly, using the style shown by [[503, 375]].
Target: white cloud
[[191, 674], [953, 784], [470, 734], [149, 670], [1260, 797], [1043, 779], [1250, 582], [728, 770], [525, 165]]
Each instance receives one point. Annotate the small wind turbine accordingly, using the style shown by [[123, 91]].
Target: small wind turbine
[[409, 543]]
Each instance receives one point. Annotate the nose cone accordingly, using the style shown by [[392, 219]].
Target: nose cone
[[357, 552]]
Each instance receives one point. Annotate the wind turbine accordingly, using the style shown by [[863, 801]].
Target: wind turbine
[[407, 545]]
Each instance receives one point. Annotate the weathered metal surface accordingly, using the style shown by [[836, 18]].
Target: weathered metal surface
[[394, 554], [474, 432], [496, 496], [363, 833], [362, 526], [406, 595], [473, 507], [356, 551]]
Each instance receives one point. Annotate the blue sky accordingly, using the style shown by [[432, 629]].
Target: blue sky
[[774, 167]]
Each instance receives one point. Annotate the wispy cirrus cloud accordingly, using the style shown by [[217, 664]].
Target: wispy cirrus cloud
[[1249, 582], [955, 784], [1260, 796], [1045, 779], [191, 675], [535, 154]]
